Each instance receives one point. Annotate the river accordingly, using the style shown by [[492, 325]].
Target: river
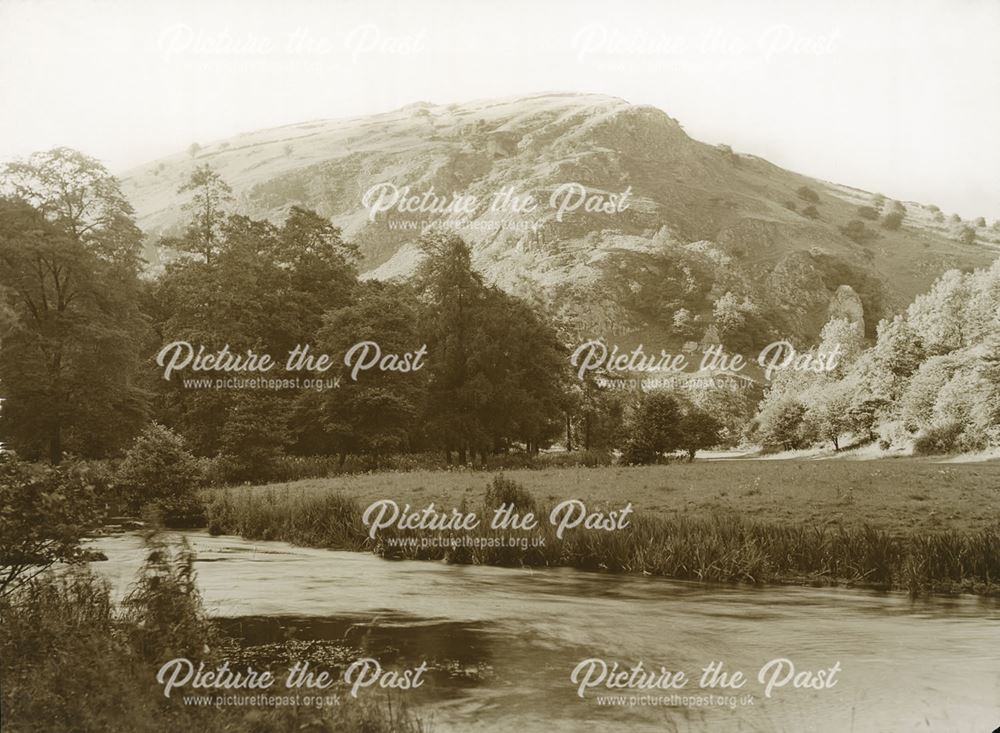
[[503, 642]]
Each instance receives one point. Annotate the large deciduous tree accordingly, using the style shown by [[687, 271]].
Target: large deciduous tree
[[72, 331]]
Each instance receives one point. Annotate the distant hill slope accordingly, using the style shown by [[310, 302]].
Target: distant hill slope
[[701, 220]]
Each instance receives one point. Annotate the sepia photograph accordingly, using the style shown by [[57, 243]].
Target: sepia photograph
[[552, 367]]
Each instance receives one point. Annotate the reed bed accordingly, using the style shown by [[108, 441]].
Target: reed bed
[[714, 546]]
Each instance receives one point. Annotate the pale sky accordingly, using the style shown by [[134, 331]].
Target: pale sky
[[898, 97]]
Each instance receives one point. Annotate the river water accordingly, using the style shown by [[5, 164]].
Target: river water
[[502, 643]]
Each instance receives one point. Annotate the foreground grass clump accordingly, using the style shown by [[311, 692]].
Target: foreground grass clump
[[72, 660], [717, 545]]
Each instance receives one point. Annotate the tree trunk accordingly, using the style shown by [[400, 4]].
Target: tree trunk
[[569, 433]]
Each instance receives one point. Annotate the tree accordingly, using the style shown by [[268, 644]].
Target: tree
[[497, 372], [254, 435], [868, 212], [828, 411], [70, 353], [653, 428], [210, 194], [698, 429], [376, 412], [453, 294], [78, 194], [265, 288], [780, 423]]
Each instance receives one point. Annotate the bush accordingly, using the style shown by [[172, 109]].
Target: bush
[[807, 194], [893, 220], [966, 234], [160, 474], [503, 490], [810, 212], [867, 212], [937, 439], [980, 222], [791, 206], [855, 231], [44, 513]]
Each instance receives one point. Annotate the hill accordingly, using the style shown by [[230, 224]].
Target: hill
[[692, 235]]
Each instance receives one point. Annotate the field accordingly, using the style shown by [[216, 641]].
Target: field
[[897, 495], [897, 523]]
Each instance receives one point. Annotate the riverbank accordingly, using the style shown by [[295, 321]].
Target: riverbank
[[908, 524], [73, 657]]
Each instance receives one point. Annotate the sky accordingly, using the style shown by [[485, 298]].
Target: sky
[[897, 97]]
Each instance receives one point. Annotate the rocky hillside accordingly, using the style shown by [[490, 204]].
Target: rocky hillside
[[667, 229]]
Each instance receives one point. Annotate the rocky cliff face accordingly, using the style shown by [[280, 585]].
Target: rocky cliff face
[[635, 227]]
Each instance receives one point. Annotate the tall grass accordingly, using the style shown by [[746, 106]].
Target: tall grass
[[718, 546], [72, 660]]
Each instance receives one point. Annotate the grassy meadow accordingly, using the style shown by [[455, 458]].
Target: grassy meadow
[[896, 523], [898, 495]]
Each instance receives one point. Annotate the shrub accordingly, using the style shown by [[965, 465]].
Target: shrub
[[893, 220], [937, 439], [934, 209], [810, 212], [980, 222], [807, 194], [503, 490], [855, 231], [966, 234], [44, 513], [867, 212], [791, 205], [159, 473]]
